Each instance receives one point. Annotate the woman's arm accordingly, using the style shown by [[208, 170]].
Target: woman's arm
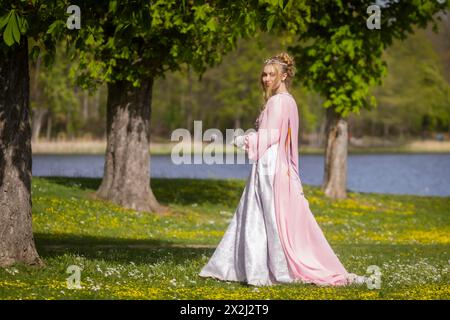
[[256, 143]]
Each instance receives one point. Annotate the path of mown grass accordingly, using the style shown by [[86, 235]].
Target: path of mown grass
[[129, 255]]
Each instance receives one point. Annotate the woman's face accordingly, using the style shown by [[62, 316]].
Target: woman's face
[[269, 78]]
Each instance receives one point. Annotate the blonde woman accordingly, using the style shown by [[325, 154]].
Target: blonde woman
[[273, 236]]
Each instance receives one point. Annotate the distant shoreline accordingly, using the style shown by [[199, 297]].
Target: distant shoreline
[[165, 148]]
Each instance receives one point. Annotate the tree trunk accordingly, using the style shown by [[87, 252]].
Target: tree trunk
[[321, 134], [189, 104], [335, 177], [49, 127], [36, 123], [85, 106], [16, 233], [97, 104], [237, 123], [126, 177], [385, 130], [35, 96], [372, 128]]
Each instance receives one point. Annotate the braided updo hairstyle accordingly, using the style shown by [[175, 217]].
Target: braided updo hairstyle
[[283, 63]]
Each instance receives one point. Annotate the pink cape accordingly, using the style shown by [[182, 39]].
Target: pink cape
[[309, 255]]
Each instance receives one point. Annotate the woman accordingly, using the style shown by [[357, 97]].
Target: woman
[[273, 237]]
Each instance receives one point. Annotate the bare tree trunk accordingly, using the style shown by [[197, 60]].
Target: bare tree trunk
[[97, 103], [49, 127], [189, 105], [335, 177], [385, 130], [85, 105], [35, 96], [36, 123], [16, 233], [126, 178], [321, 134], [237, 122]]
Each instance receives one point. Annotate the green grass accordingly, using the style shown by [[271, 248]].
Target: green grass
[[128, 255]]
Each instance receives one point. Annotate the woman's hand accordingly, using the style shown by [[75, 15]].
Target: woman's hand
[[238, 141]]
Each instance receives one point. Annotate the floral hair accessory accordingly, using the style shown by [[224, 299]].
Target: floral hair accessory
[[275, 61]]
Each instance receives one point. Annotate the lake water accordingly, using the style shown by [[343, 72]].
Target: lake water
[[419, 174]]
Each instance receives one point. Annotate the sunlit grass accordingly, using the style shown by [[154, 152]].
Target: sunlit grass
[[128, 255]]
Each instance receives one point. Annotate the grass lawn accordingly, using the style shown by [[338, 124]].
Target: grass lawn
[[128, 255]]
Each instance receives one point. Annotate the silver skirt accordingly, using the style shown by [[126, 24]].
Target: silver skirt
[[250, 250]]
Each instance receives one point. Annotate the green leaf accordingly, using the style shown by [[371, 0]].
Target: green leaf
[[90, 40], [288, 4], [15, 27], [270, 22], [113, 6], [35, 51], [23, 25], [8, 36], [4, 20], [211, 25], [53, 27], [13, 24]]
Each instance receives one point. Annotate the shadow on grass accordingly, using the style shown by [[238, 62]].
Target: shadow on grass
[[177, 191], [116, 249], [85, 184]]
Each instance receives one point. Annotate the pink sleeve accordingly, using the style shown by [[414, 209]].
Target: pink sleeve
[[256, 143]]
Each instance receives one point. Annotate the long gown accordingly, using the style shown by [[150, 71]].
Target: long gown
[[273, 237]]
